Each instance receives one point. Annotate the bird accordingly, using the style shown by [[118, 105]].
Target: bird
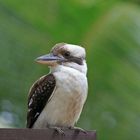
[[56, 100]]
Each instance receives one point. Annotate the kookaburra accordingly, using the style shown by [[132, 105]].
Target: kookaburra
[[57, 99]]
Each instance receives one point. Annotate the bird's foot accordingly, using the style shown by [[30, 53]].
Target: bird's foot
[[78, 129], [58, 130]]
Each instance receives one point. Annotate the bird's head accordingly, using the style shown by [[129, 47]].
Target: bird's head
[[67, 55]]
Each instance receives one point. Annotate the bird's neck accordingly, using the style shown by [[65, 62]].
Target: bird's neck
[[71, 67]]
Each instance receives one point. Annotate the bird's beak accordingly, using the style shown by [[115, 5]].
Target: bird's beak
[[49, 59]]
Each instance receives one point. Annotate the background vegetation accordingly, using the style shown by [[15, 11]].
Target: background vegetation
[[110, 32]]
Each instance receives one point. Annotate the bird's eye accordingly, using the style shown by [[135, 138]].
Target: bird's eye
[[67, 54]]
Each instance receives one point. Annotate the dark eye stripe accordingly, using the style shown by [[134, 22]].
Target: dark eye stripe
[[76, 60]]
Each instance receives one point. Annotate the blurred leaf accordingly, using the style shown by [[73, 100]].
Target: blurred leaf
[[115, 65]]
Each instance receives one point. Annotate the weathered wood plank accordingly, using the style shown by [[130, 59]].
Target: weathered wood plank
[[44, 134]]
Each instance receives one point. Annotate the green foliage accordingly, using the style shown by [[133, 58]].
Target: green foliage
[[110, 32]]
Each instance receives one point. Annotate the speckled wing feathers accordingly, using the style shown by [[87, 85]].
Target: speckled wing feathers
[[39, 95]]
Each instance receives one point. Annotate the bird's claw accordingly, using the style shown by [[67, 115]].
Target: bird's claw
[[78, 129], [58, 130]]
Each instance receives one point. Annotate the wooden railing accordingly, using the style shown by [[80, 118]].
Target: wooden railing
[[45, 134]]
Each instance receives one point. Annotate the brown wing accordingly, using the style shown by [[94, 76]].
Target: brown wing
[[39, 95]]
